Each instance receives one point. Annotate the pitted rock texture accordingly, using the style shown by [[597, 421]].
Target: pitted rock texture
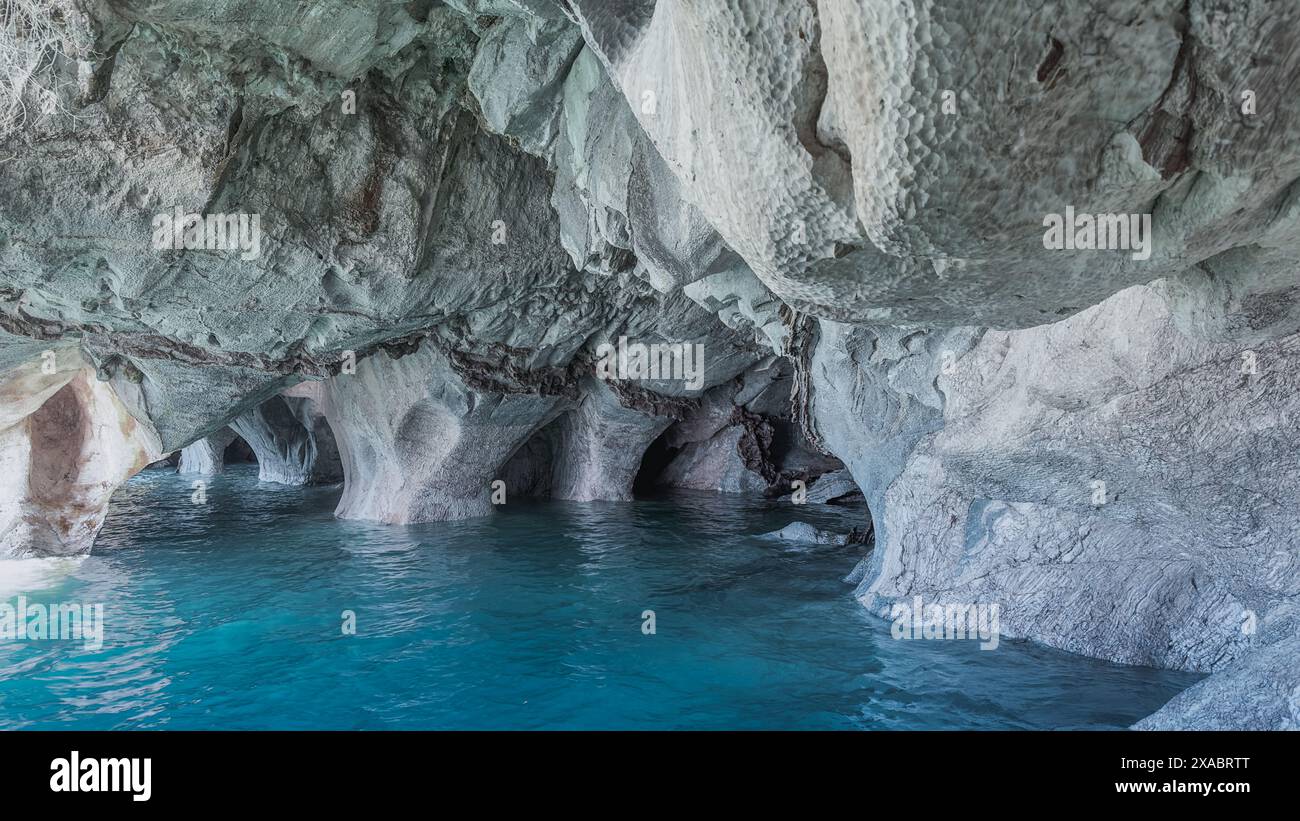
[[851, 171]]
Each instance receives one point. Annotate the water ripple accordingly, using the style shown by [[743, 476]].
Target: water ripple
[[230, 614]]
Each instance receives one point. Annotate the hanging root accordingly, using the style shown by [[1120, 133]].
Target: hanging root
[[34, 36]]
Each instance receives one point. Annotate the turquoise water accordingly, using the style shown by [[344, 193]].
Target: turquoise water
[[229, 615]]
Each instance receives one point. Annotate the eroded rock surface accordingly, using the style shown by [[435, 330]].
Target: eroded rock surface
[[843, 201], [1261, 691], [1115, 485], [206, 456], [894, 163], [418, 444], [293, 443], [598, 447], [64, 460]]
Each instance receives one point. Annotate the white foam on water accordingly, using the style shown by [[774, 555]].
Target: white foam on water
[[31, 575]]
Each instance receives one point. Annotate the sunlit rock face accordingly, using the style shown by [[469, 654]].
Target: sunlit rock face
[[64, 459], [844, 202]]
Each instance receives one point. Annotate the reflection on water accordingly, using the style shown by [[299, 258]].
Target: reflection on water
[[230, 615]]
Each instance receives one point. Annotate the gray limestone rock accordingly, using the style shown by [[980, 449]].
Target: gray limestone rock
[[713, 464], [206, 456], [1261, 692], [844, 202], [1114, 484], [894, 164], [833, 486], [292, 440]]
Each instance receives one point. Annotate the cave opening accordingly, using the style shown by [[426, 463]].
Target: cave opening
[[653, 462], [238, 452]]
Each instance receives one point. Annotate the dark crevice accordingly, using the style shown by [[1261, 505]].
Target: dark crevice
[[238, 452], [1047, 70], [102, 78], [800, 343], [653, 462], [1165, 132], [755, 444]]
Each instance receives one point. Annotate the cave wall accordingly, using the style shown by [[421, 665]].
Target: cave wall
[[1117, 486], [461, 202], [206, 456], [63, 461]]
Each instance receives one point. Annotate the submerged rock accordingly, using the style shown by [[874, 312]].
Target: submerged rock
[[804, 533]]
